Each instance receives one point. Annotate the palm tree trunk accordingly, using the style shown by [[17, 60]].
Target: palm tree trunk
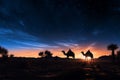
[[113, 56]]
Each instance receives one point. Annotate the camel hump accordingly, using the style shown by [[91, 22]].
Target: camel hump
[[89, 53], [70, 51]]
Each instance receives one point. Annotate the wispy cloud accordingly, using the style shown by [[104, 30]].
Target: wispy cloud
[[35, 44], [22, 39], [16, 35], [98, 31], [91, 46], [4, 31], [67, 44]]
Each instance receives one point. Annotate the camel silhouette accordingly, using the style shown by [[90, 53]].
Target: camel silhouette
[[87, 54], [69, 53]]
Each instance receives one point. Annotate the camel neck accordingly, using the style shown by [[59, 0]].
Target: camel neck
[[83, 53], [64, 53]]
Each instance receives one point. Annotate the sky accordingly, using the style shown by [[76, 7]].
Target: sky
[[30, 26]]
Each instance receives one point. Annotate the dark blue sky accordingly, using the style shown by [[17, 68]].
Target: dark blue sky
[[44, 24]]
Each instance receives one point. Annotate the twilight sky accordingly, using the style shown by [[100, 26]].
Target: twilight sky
[[30, 26]]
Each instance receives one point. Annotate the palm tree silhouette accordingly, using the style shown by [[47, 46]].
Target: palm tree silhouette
[[112, 47]]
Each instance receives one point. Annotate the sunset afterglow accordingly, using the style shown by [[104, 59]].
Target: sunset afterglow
[[57, 52], [28, 27], [60, 39]]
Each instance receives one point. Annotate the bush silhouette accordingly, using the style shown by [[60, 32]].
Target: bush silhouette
[[11, 55], [3, 52], [46, 54], [41, 54]]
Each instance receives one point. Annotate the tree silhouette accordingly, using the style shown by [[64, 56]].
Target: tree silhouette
[[112, 47], [11, 55], [46, 54], [40, 54], [3, 52]]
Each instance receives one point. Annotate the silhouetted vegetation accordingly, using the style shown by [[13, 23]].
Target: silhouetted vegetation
[[46, 54], [41, 54], [4, 52], [11, 55], [55, 68], [112, 47]]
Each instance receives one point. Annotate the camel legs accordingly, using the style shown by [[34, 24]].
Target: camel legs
[[67, 56], [73, 57]]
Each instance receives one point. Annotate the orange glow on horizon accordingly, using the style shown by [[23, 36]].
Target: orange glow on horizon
[[57, 52]]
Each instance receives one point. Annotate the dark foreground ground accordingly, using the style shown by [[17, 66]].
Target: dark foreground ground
[[57, 69]]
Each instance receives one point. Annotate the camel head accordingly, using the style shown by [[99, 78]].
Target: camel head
[[82, 52], [63, 52]]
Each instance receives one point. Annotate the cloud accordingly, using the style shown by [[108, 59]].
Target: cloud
[[34, 44], [67, 45], [4, 31], [15, 34], [20, 39], [91, 46], [97, 32]]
